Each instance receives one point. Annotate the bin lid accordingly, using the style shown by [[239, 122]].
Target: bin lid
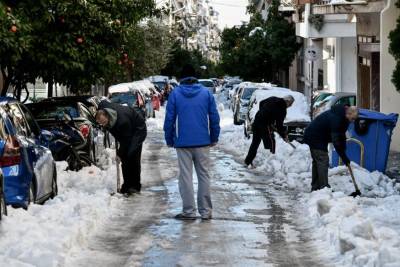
[[374, 115]]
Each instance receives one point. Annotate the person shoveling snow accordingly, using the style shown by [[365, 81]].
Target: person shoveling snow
[[129, 129], [270, 117], [329, 127]]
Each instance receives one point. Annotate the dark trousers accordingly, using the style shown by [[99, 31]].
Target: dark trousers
[[320, 165], [267, 136], [131, 169]]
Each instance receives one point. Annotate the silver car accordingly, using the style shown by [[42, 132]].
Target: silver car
[[241, 104], [333, 100]]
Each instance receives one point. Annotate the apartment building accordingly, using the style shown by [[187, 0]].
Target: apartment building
[[195, 23]]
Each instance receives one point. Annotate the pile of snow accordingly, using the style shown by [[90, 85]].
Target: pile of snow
[[298, 112], [144, 86], [42, 235], [358, 232]]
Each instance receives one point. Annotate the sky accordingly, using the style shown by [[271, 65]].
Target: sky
[[231, 12]]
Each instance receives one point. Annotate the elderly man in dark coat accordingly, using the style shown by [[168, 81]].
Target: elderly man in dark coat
[[129, 129]]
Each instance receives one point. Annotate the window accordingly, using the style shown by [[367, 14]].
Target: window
[[19, 121], [87, 114], [247, 93], [42, 111], [347, 101], [30, 120]]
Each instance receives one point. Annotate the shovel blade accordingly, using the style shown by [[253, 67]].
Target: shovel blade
[[356, 193]]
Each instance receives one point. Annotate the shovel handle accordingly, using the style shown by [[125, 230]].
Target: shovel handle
[[352, 177]]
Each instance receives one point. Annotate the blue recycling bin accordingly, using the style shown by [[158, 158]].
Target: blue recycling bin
[[369, 142]]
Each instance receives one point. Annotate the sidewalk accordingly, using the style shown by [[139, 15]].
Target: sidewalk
[[393, 166]]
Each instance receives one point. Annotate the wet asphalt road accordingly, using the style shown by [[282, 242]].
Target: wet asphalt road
[[255, 222]]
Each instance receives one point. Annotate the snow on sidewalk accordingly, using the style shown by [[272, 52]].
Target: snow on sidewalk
[[42, 235], [357, 232]]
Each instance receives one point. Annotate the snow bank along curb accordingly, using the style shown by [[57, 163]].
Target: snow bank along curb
[[43, 235], [362, 231]]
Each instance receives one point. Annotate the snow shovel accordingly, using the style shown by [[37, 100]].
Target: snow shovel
[[357, 192], [118, 163]]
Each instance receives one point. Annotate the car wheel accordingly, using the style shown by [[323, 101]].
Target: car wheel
[[54, 186], [31, 197], [3, 207], [235, 119]]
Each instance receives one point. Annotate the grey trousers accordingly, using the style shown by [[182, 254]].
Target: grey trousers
[[320, 166], [199, 157]]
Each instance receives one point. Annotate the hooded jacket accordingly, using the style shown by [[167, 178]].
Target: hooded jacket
[[126, 125], [329, 127], [191, 118]]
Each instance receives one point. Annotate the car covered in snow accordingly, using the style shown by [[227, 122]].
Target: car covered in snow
[[240, 101], [297, 118], [28, 167]]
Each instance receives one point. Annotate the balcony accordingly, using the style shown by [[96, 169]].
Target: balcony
[[329, 25], [347, 7]]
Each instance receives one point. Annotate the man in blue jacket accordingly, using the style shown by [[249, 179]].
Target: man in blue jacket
[[192, 127]]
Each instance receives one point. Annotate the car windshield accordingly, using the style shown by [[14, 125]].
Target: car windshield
[[207, 83], [321, 98], [50, 111], [128, 98], [247, 92], [160, 85]]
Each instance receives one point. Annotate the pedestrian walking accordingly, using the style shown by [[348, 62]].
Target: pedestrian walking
[[269, 118], [129, 129], [329, 127], [192, 126]]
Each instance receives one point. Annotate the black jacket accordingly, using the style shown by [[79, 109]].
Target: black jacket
[[272, 112], [329, 127], [129, 128]]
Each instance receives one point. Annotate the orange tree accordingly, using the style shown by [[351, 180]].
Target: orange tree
[[74, 43]]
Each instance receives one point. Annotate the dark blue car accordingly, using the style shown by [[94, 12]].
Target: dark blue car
[[30, 174]]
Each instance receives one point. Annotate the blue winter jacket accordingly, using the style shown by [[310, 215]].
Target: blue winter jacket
[[191, 118]]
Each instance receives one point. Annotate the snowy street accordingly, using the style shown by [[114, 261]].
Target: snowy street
[[262, 217], [253, 225]]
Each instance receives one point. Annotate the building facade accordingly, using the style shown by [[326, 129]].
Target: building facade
[[353, 38], [195, 24]]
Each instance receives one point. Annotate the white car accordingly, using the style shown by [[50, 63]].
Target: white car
[[209, 84], [297, 118]]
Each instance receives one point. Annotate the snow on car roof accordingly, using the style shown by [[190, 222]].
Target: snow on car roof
[[299, 111], [142, 86]]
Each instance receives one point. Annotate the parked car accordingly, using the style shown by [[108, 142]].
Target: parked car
[[209, 84], [3, 206], [90, 101], [126, 94], [241, 102], [228, 86], [297, 118], [331, 100], [30, 174], [47, 114]]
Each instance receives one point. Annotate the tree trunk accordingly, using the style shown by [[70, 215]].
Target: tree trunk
[[6, 83], [50, 89]]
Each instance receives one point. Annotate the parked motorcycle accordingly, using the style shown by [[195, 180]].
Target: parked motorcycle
[[67, 143]]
